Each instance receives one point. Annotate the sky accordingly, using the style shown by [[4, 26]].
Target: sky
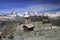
[[21, 6]]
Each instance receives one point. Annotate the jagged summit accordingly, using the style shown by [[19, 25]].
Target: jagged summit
[[27, 14], [14, 12]]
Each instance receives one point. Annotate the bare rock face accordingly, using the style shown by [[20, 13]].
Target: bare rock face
[[9, 29]]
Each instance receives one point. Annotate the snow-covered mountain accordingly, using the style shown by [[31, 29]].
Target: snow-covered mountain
[[27, 14], [13, 16]]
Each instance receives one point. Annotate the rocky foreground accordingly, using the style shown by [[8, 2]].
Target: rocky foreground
[[49, 34]]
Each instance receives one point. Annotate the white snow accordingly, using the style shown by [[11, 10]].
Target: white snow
[[26, 14]]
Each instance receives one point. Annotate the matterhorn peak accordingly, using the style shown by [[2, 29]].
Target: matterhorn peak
[[14, 12]]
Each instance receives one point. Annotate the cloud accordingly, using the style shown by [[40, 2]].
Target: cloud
[[32, 8], [42, 7]]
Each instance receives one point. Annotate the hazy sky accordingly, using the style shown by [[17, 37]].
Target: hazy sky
[[6, 6]]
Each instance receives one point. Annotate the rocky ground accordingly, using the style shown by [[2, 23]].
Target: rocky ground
[[49, 34]]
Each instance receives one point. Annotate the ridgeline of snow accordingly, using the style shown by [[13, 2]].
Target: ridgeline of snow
[[27, 14]]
